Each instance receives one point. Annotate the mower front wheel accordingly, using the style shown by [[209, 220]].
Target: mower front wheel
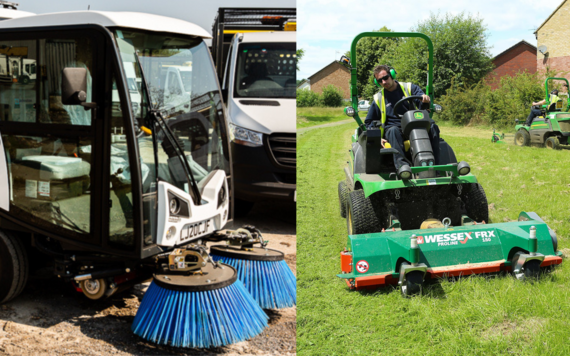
[[342, 197], [552, 143], [413, 284], [360, 218], [522, 138]]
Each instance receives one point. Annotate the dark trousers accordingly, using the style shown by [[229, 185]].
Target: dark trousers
[[533, 113], [394, 135]]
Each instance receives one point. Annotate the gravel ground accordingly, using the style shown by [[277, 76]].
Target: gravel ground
[[50, 318]]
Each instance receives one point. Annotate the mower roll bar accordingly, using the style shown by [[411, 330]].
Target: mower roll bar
[[547, 91], [353, 67]]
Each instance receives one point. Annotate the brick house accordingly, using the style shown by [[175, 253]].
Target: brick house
[[518, 58], [335, 74], [553, 34]]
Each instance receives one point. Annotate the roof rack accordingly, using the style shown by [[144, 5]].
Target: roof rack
[[9, 5], [228, 21]]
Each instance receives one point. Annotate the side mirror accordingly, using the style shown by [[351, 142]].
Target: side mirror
[[74, 86], [344, 60]]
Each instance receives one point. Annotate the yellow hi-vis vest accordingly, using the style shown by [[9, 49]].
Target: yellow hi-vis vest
[[553, 100], [406, 88]]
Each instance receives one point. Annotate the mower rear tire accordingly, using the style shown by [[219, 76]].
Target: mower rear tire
[[552, 143], [522, 138], [476, 203], [13, 266], [413, 285], [342, 197], [360, 218]]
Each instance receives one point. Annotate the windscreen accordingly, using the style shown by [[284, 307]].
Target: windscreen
[[266, 70], [182, 85]]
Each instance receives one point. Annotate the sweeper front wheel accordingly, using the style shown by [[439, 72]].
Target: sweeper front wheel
[[360, 218], [94, 289], [413, 284], [342, 197], [476, 203], [13, 266], [522, 138]]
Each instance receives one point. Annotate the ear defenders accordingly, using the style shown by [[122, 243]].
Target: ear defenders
[[392, 75]]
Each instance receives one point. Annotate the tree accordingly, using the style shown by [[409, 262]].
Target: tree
[[460, 52], [300, 54], [370, 52]]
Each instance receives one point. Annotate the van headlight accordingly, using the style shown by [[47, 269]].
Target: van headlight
[[245, 137]]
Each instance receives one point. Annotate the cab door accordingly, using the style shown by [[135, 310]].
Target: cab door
[[51, 150]]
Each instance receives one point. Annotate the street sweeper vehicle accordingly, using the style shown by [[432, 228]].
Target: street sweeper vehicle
[[552, 128], [118, 186], [254, 50], [425, 221]]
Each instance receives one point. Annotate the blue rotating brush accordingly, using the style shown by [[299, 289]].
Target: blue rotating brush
[[264, 273], [203, 310]]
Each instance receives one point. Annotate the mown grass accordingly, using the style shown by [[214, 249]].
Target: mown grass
[[307, 117], [473, 316]]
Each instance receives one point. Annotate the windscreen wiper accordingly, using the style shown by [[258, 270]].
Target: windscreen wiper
[[157, 117]]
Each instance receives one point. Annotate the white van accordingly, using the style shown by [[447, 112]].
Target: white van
[[259, 87]]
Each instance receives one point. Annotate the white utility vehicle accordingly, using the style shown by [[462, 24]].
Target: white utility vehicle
[[99, 175], [255, 54]]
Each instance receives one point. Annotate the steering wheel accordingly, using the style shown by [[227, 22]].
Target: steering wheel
[[401, 101]]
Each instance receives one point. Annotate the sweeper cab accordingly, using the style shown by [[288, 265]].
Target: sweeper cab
[[113, 176], [425, 220]]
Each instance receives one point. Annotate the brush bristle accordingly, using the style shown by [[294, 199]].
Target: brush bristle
[[198, 319], [271, 283]]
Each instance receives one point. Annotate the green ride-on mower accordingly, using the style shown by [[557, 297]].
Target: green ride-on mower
[[498, 137], [551, 129], [425, 221]]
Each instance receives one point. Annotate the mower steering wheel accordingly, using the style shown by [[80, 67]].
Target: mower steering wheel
[[401, 101]]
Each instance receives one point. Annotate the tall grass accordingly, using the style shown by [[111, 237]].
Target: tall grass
[[473, 316]]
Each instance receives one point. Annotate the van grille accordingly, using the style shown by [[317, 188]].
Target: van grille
[[283, 148]]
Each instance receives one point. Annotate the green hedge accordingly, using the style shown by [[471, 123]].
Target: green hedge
[[331, 97], [500, 107]]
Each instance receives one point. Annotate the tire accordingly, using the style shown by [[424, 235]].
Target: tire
[[552, 143], [413, 285], [495, 139], [476, 204], [94, 289], [13, 267], [342, 197], [522, 138], [361, 218], [532, 269]]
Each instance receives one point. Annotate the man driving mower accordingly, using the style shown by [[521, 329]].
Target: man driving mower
[[536, 111], [382, 111]]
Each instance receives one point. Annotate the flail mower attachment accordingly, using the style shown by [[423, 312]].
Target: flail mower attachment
[[497, 138], [197, 302], [263, 271], [410, 258]]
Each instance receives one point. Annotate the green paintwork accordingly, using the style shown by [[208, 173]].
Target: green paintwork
[[382, 183], [547, 91], [354, 66], [485, 243]]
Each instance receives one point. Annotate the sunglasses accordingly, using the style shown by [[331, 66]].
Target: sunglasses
[[384, 78]]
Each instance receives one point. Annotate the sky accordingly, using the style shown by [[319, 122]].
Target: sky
[[200, 12], [325, 28]]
